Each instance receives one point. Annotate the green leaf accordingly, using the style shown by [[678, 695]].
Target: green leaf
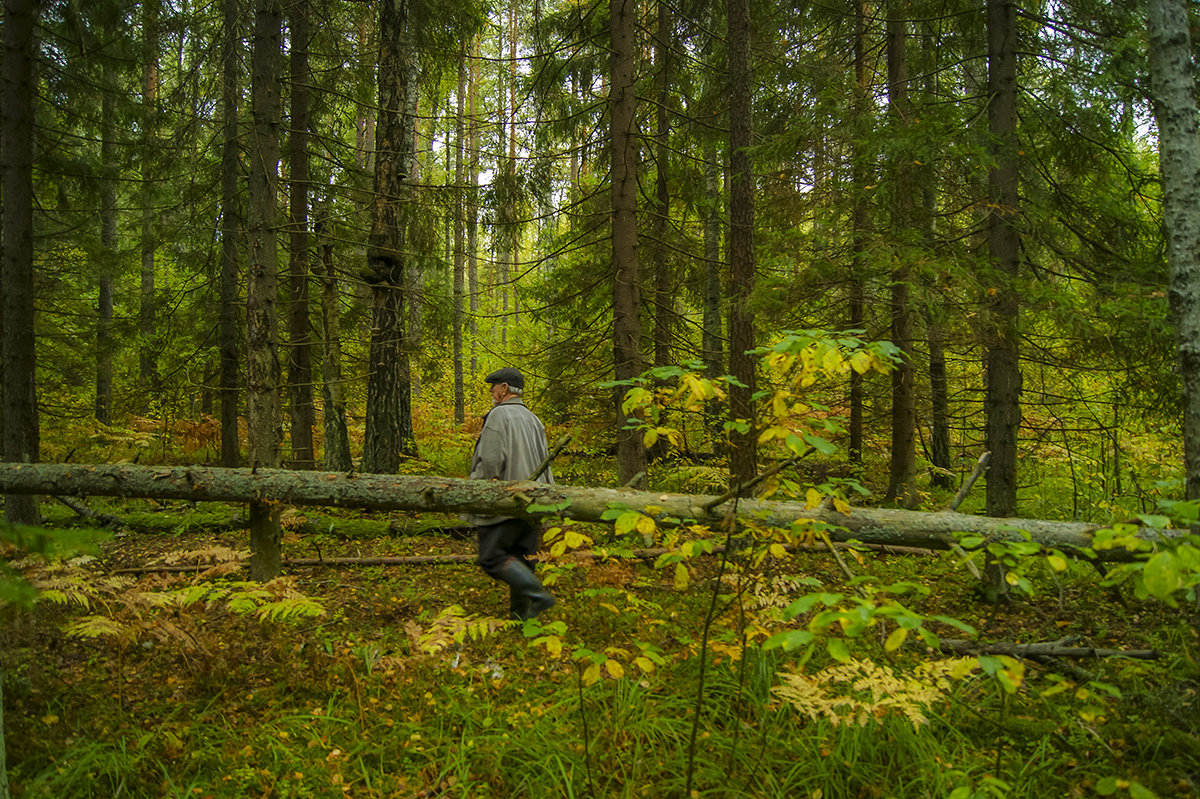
[[1106, 786], [956, 624], [1162, 576], [1139, 791], [627, 521], [838, 650], [789, 640], [820, 444]]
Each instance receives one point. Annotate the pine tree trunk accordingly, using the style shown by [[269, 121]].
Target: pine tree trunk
[[1004, 250], [902, 470], [108, 246], [860, 219], [337, 438], [300, 375], [1172, 73], [627, 357], [148, 307], [473, 209], [263, 416], [664, 299], [743, 455], [231, 222], [21, 438], [711, 342], [459, 235], [389, 417]]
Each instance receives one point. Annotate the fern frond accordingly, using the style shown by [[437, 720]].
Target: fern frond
[[858, 691], [291, 608], [98, 627]]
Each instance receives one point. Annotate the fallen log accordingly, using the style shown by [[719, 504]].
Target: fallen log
[[1042, 650], [882, 526]]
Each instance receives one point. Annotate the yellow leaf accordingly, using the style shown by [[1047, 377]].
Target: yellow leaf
[[554, 645], [860, 362], [842, 505], [895, 640], [682, 578], [591, 675], [832, 362], [779, 405], [644, 663], [650, 438], [777, 551], [1057, 562], [48, 720], [812, 498], [646, 526], [614, 669]]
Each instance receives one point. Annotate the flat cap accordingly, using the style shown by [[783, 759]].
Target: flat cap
[[509, 375]]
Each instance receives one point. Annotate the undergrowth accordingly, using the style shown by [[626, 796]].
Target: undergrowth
[[403, 681]]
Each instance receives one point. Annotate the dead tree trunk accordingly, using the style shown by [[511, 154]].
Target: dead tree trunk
[[891, 527]]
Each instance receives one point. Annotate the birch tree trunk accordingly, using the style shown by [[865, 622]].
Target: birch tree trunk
[[262, 354], [1172, 76]]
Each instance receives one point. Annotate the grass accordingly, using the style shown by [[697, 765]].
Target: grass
[[207, 702]]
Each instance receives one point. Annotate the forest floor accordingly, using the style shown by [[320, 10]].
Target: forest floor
[[405, 681]]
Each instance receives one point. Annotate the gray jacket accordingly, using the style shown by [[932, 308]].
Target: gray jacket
[[511, 445]]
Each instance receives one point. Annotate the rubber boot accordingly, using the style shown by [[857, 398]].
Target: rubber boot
[[528, 597]]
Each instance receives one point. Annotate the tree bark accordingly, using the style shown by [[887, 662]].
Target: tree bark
[[473, 208], [337, 438], [1004, 250], [148, 305], [859, 223], [627, 331], [883, 526], [231, 222], [1172, 73], [300, 376], [664, 289], [903, 465], [262, 352], [21, 438], [108, 244], [389, 430], [459, 234], [743, 449], [711, 341]]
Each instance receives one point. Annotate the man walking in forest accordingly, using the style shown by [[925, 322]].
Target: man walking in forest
[[511, 445]]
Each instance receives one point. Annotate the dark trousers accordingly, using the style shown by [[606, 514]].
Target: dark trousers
[[511, 538]]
